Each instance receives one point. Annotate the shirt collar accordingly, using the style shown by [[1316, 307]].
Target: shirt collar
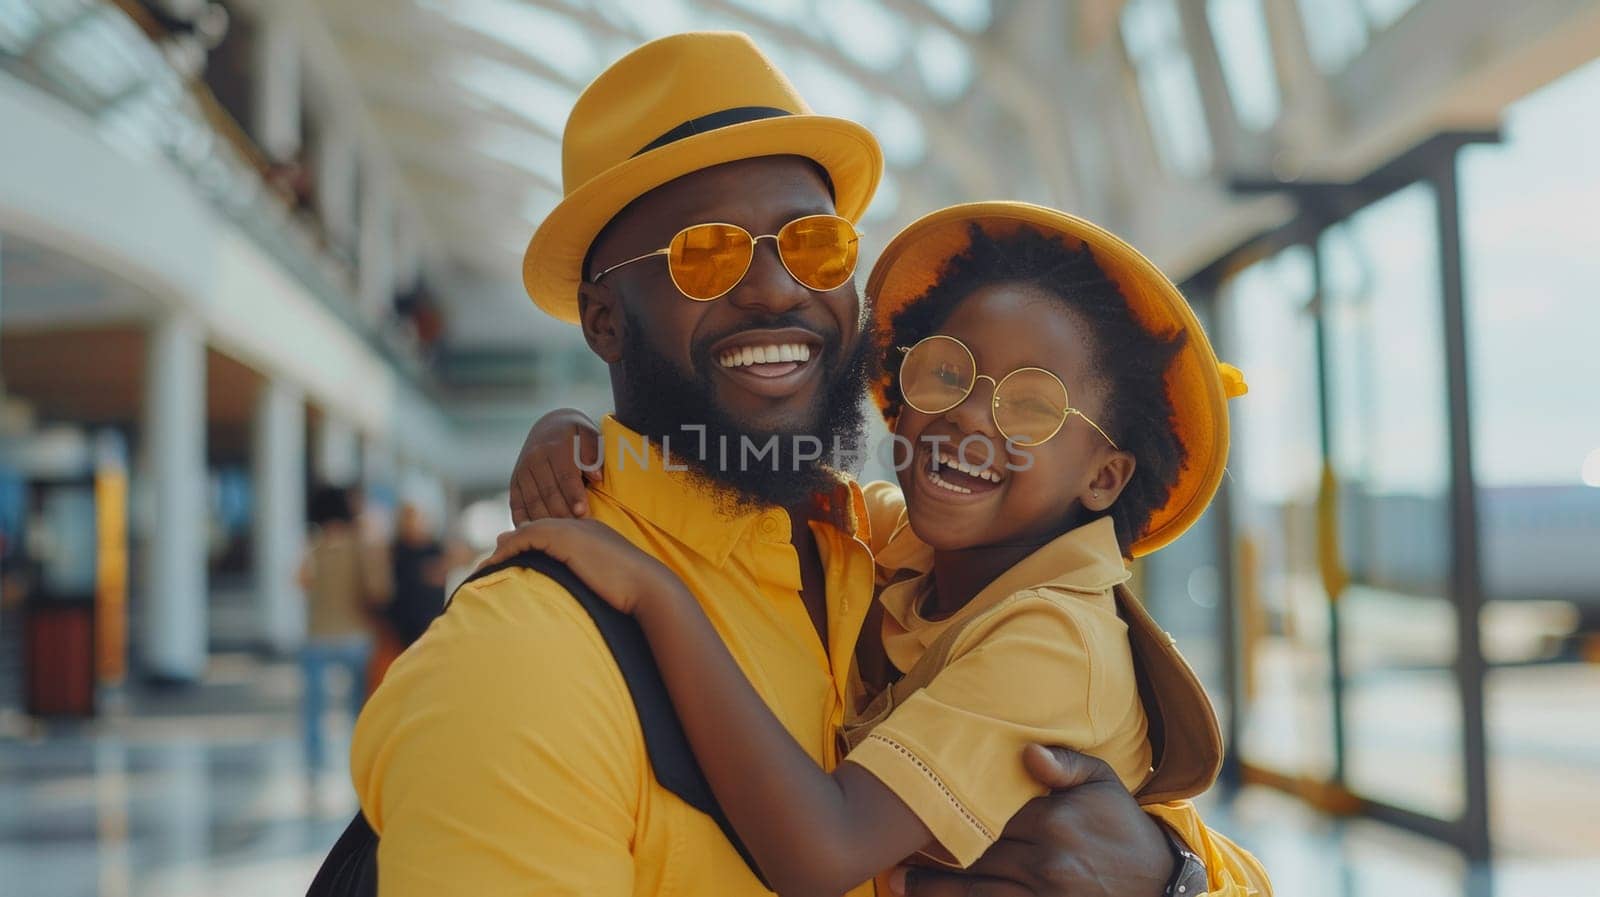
[[1086, 560], [637, 475]]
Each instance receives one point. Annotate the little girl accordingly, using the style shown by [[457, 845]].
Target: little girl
[[1058, 409]]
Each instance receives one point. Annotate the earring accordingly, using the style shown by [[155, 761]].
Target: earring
[[1095, 493]]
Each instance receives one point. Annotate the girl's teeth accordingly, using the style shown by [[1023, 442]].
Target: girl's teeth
[[940, 481], [982, 473]]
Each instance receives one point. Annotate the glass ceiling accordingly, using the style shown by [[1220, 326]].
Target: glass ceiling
[[888, 65], [469, 97]]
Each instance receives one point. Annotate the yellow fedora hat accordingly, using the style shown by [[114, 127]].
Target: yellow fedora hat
[[1197, 383], [670, 107]]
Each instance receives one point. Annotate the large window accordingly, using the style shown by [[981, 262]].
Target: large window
[[1390, 454], [1529, 229], [1338, 30], [1153, 35], [1284, 698], [1245, 49]]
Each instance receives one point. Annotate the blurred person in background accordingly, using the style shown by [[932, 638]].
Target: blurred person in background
[[347, 586], [418, 562]]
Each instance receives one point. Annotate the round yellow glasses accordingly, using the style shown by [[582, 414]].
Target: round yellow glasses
[[1029, 404]]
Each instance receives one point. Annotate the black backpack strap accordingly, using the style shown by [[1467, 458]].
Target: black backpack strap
[[351, 867], [671, 759]]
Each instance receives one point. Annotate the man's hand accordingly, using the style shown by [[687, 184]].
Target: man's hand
[[1087, 838], [547, 481]]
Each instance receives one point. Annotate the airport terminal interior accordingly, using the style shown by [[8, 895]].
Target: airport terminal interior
[[257, 253]]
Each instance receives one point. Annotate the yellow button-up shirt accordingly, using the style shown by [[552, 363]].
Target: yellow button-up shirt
[[1039, 656], [502, 753], [1231, 870]]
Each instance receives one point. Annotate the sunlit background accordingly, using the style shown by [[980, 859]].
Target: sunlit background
[[251, 247]]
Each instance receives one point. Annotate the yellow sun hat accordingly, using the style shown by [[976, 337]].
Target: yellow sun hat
[[1198, 385], [668, 108]]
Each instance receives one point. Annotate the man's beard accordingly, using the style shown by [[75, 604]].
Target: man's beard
[[662, 403]]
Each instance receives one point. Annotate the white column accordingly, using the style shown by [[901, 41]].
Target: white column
[[374, 259], [279, 468], [277, 106], [337, 452], [407, 268], [2, 300], [173, 631], [379, 465], [4, 401], [336, 181], [380, 487], [452, 507]]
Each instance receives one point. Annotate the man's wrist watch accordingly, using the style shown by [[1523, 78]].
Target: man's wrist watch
[[1188, 870]]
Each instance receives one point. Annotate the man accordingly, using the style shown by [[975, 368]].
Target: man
[[503, 753]]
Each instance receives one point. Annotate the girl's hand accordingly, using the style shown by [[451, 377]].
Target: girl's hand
[[625, 577], [547, 481]]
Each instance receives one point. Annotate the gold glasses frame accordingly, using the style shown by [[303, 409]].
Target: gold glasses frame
[[994, 396], [754, 240]]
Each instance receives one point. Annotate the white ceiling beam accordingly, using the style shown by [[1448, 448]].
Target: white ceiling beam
[[477, 189], [1019, 91], [405, 107], [425, 33], [970, 165], [415, 134], [923, 14], [493, 176], [584, 14], [1216, 103], [426, 94]]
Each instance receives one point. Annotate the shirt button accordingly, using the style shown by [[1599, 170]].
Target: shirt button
[[769, 524]]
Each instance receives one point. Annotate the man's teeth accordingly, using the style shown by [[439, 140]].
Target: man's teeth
[[982, 473], [738, 358]]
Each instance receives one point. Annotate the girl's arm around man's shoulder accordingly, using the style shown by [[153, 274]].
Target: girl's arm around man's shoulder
[[895, 548]]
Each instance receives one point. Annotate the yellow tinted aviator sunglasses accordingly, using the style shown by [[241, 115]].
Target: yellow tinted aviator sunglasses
[[706, 261], [1029, 404]]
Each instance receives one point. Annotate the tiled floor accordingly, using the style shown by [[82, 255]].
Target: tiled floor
[[1311, 856], [196, 793], [204, 792]]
